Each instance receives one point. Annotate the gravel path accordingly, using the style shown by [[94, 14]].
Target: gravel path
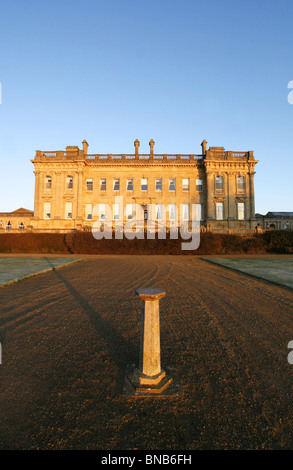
[[68, 335]]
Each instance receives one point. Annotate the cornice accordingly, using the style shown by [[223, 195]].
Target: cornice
[[228, 165]]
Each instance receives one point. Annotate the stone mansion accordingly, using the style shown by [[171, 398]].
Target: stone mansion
[[73, 188]]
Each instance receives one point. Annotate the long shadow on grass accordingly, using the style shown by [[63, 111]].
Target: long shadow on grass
[[120, 350]]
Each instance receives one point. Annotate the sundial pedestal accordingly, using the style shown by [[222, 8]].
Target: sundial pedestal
[[149, 378]]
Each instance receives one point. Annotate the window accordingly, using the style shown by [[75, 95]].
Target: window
[[185, 184], [103, 184], [116, 212], [129, 211], [240, 210], [158, 184], [199, 212], [116, 184], [172, 184], [219, 183], [144, 184], [68, 210], [172, 211], [89, 185], [240, 183], [102, 211], [69, 182], [47, 210], [88, 212], [219, 210], [129, 185], [48, 182], [199, 185], [185, 212], [159, 211]]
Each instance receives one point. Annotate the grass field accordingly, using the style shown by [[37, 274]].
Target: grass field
[[15, 268], [275, 269]]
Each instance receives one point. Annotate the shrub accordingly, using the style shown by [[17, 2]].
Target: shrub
[[32, 243], [84, 242], [278, 240]]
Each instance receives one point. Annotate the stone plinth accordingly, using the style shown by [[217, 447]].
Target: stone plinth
[[149, 377]]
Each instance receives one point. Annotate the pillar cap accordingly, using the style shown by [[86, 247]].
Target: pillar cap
[[150, 294]]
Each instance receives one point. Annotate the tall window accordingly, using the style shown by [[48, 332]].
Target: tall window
[[129, 211], [116, 211], [47, 210], [48, 182], [241, 210], [172, 184], [116, 184], [199, 185], [219, 210], [102, 211], [158, 184], [129, 185], [144, 184], [185, 184], [88, 212], [89, 184], [219, 183], [185, 212], [172, 211], [240, 183], [159, 211], [68, 210], [69, 182], [103, 184], [199, 212]]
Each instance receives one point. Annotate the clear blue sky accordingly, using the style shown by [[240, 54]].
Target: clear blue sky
[[176, 71]]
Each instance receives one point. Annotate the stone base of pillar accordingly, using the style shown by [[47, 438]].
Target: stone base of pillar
[[145, 385]]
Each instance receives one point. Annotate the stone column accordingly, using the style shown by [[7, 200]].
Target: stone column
[[37, 201], [79, 195], [149, 377], [57, 195], [209, 194], [251, 195], [231, 196]]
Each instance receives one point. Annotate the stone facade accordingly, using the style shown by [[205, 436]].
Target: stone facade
[[20, 219], [73, 187], [275, 221]]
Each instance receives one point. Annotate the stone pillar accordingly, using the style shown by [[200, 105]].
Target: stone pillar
[[230, 196], [57, 195], [210, 196], [149, 377], [79, 195], [251, 195], [37, 202]]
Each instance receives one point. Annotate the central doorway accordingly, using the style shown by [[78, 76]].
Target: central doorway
[[145, 212]]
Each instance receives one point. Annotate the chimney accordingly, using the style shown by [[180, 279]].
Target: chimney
[[204, 147], [136, 145], [85, 147], [152, 143]]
